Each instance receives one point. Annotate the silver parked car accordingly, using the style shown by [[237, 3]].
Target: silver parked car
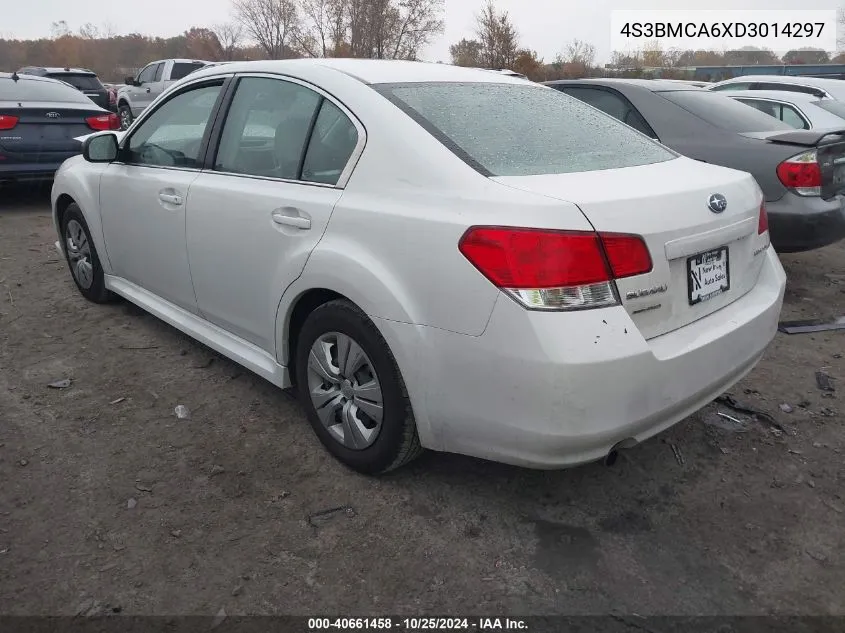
[[797, 109]]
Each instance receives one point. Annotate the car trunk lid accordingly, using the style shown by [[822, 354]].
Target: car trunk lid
[[829, 145], [703, 259], [43, 129]]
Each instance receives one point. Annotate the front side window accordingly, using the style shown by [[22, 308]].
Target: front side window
[[332, 142], [172, 135], [148, 74], [522, 129], [266, 128]]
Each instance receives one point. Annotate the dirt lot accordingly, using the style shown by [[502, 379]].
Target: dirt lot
[[108, 501]]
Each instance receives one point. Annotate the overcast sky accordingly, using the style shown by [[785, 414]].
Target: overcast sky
[[544, 25]]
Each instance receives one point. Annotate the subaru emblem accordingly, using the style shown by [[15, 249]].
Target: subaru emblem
[[717, 203]]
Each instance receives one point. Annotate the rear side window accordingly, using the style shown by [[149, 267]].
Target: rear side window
[[39, 90], [332, 142], [613, 104], [79, 81], [723, 112], [183, 69], [522, 129]]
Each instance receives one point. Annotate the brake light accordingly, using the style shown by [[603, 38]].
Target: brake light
[[555, 270], [802, 174], [7, 121], [104, 122], [763, 220]]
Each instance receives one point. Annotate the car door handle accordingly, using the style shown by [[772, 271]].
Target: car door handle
[[291, 217], [170, 198], [148, 89]]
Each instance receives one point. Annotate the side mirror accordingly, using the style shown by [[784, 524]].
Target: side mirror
[[100, 148], [130, 81]]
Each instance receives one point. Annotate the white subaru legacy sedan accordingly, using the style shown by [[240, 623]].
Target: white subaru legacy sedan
[[433, 257]]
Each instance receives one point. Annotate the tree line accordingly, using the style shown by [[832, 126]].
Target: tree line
[[382, 29]]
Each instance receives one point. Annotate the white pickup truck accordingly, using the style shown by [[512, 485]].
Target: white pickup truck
[[149, 83]]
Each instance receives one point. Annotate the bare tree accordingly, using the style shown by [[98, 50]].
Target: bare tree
[[230, 35], [89, 31], [314, 34], [578, 52], [273, 24], [497, 36], [466, 53]]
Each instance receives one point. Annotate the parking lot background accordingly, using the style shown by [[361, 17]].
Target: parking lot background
[[110, 503]]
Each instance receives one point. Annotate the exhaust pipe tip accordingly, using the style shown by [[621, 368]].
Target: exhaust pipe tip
[[613, 453]]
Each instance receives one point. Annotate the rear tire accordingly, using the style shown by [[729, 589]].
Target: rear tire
[[82, 258], [352, 391]]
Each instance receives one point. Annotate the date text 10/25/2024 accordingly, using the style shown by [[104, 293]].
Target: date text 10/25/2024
[[416, 624]]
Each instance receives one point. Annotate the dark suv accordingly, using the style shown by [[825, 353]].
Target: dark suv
[[82, 79]]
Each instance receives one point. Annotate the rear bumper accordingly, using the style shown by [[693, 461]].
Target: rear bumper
[[549, 390], [798, 223], [29, 171]]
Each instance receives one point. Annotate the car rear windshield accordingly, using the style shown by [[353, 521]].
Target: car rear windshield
[[79, 81], [723, 111], [521, 129], [38, 90], [834, 107], [183, 69]]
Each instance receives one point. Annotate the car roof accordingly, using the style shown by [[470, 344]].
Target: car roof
[[370, 71], [654, 85], [820, 82], [55, 70], [24, 77], [781, 95]]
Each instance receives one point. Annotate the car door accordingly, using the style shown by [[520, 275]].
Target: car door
[[284, 152], [156, 86], [143, 195], [612, 103], [141, 93]]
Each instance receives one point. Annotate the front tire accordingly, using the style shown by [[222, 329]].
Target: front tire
[[125, 114], [352, 390], [82, 258]]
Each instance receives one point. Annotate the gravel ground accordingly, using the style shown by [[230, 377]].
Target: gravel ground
[[108, 501]]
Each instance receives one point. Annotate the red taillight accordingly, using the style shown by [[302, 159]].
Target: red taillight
[[555, 269], [763, 221], [7, 121], [627, 254], [801, 173], [104, 122]]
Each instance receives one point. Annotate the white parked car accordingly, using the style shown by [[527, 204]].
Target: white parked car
[[819, 86], [799, 110], [433, 256]]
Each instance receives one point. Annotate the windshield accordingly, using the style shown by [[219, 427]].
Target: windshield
[[522, 129], [79, 81], [38, 90], [723, 111], [834, 107]]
